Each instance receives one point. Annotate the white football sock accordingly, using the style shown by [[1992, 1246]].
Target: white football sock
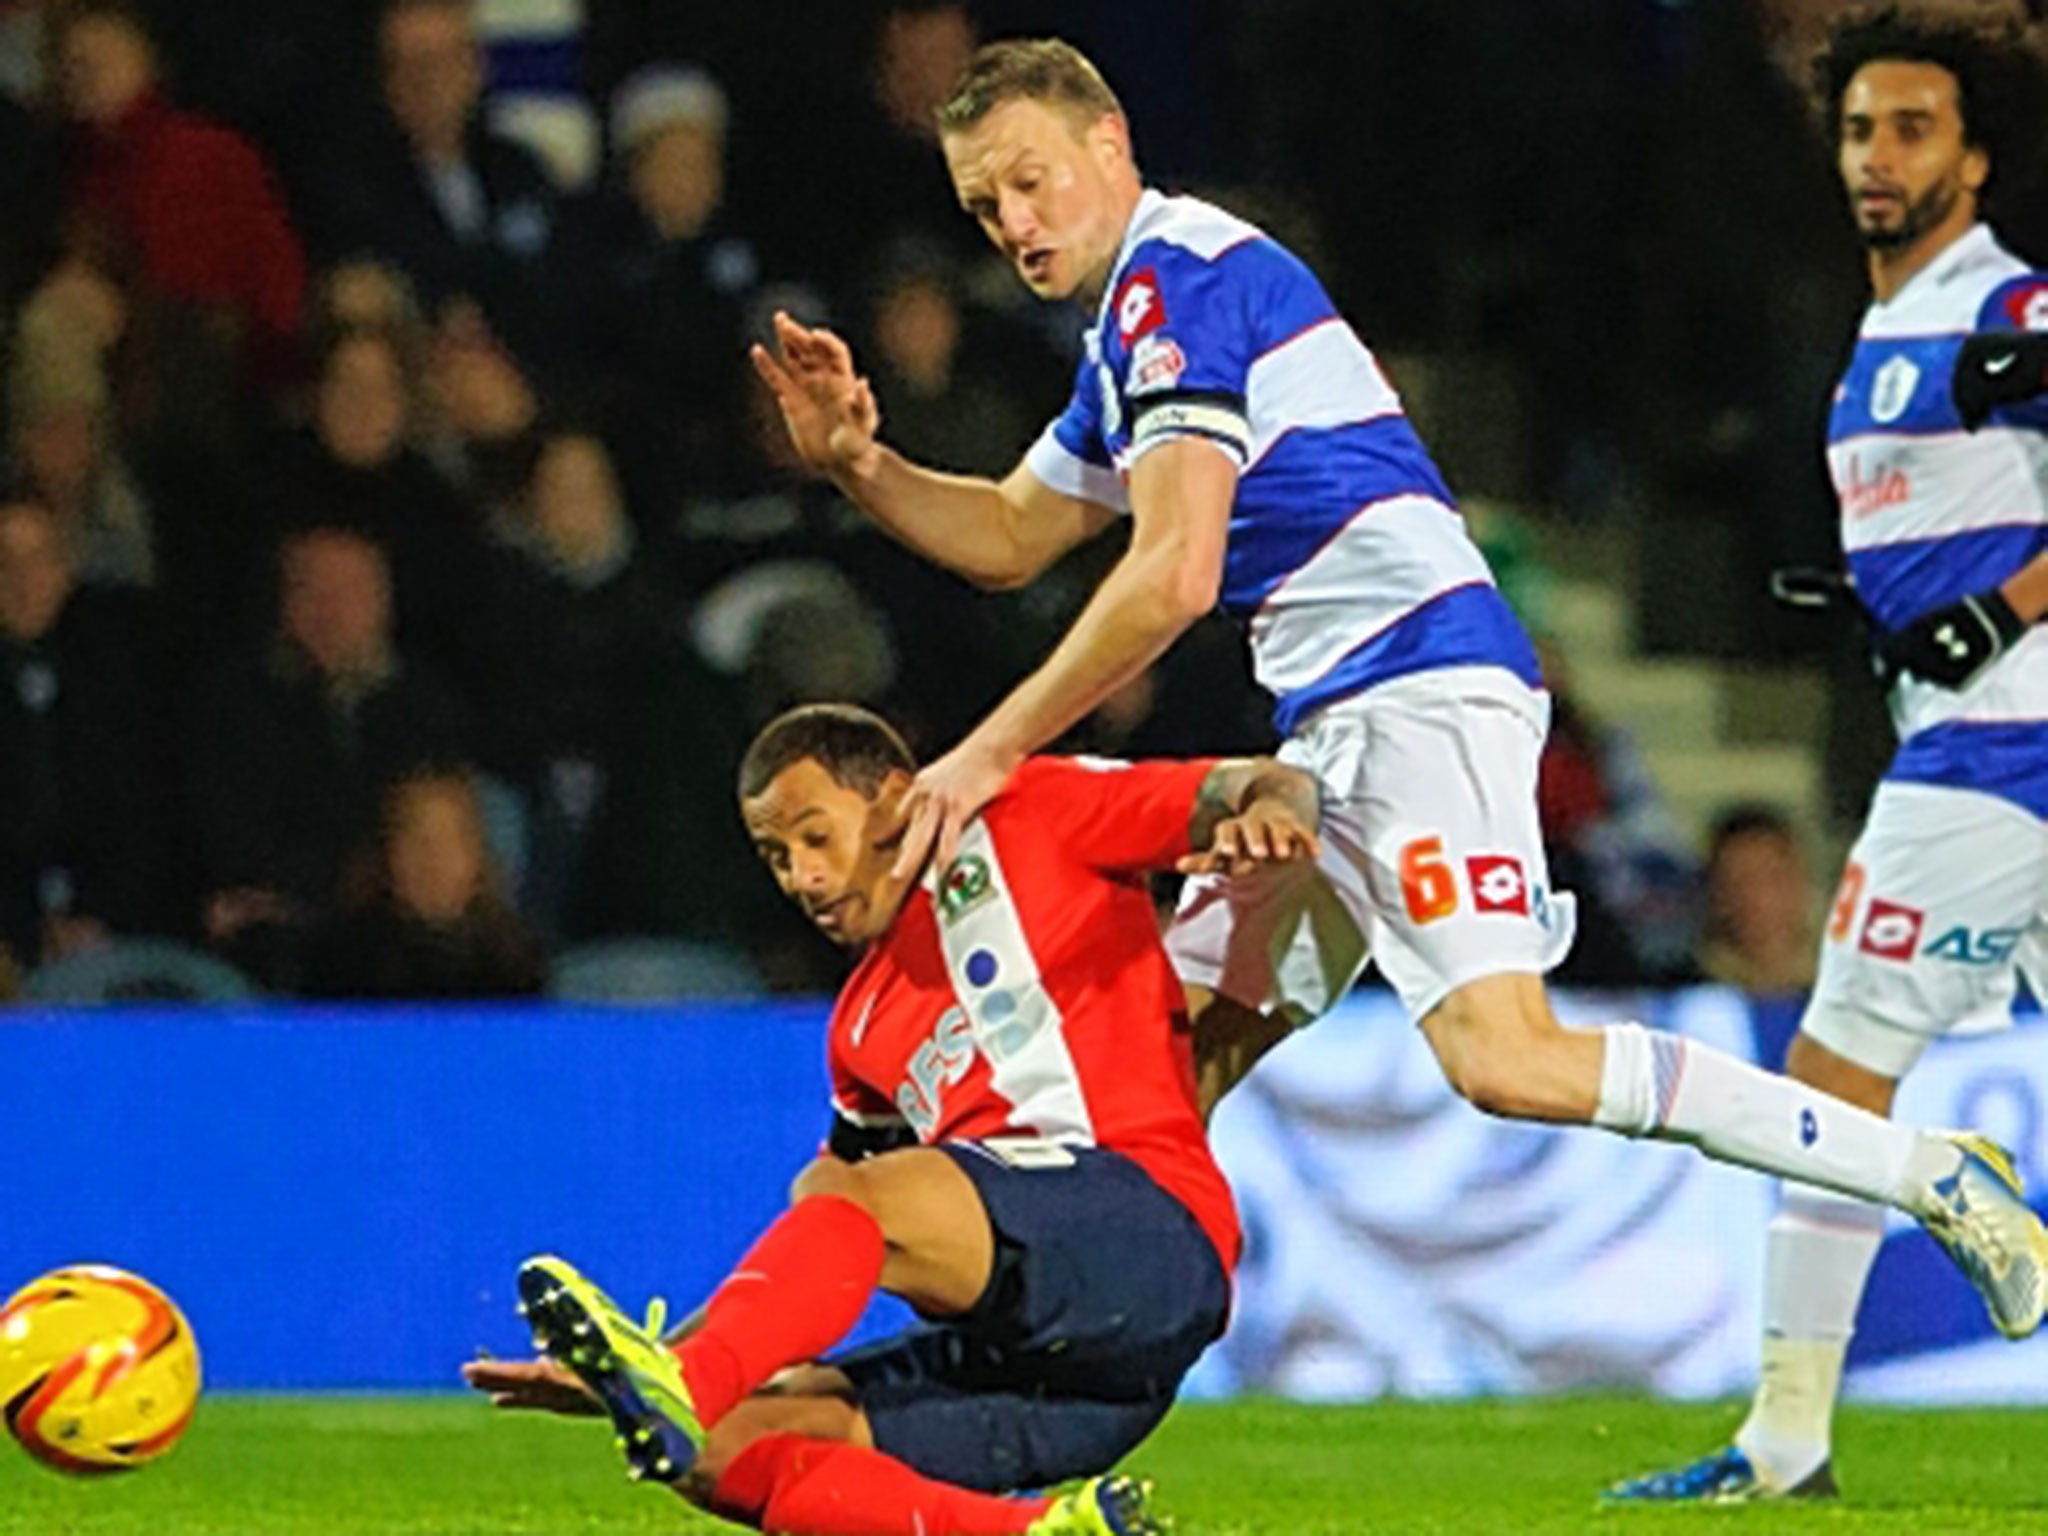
[[1674, 1089], [1817, 1258]]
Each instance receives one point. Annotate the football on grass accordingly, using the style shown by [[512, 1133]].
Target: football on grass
[[99, 1372]]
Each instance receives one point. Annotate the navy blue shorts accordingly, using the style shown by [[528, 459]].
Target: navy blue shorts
[[1105, 1291]]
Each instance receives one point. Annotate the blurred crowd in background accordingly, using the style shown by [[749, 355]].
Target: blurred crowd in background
[[396, 550]]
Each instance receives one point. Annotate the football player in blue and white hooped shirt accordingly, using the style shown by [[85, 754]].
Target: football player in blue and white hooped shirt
[[1938, 446], [1265, 463]]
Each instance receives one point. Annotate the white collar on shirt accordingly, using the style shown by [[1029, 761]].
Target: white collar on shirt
[[1973, 245], [1150, 203]]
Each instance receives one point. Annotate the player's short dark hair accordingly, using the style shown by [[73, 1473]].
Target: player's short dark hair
[[2000, 73], [856, 746], [1034, 69]]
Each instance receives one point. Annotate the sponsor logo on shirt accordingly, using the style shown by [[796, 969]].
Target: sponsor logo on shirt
[[936, 1065], [1987, 946], [1139, 308], [1889, 487], [1498, 884], [1892, 390], [1891, 931]]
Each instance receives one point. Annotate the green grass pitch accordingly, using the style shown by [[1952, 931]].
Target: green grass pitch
[[451, 1467]]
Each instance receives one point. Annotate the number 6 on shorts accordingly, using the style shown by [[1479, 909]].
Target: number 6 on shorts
[[1428, 887]]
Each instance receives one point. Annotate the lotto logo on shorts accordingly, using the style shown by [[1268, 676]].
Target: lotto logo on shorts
[[1498, 884], [1890, 931]]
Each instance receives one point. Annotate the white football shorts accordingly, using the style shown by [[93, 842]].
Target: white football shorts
[[1944, 900], [1432, 858]]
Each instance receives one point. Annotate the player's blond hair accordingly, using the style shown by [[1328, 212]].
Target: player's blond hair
[[1031, 69]]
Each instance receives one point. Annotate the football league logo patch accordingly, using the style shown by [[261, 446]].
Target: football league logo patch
[[1892, 390], [1498, 884], [1139, 308], [1156, 365], [1890, 931]]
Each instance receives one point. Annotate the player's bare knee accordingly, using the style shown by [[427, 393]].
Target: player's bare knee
[[827, 1176], [871, 1185], [1505, 1053], [1818, 1066], [886, 1187], [914, 1195], [1494, 1086]]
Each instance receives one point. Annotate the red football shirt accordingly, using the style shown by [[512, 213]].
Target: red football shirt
[[1026, 993]]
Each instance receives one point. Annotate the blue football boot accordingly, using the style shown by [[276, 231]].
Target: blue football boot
[[1726, 1477]]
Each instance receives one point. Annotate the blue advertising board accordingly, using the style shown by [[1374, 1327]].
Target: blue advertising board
[[339, 1198]]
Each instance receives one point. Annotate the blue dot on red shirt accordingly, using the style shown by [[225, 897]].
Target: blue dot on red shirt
[[981, 967]]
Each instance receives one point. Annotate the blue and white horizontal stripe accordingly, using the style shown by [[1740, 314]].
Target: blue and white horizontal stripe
[[2008, 759], [1901, 581], [1931, 513], [1469, 626], [1346, 554]]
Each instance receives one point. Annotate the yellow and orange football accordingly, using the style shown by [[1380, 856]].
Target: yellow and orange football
[[99, 1372]]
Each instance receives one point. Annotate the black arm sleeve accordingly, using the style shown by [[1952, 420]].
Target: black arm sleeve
[[853, 1143]]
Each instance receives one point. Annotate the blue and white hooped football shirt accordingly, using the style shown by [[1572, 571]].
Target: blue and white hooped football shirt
[[1346, 553], [1932, 513]]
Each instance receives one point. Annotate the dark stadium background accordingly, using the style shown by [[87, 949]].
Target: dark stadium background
[[1598, 244]]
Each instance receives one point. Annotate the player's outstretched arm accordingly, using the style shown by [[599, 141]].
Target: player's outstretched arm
[[996, 535], [538, 1385], [1181, 494], [1252, 811]]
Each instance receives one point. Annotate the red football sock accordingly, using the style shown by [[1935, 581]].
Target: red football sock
[[795, 1486], [799, 1291]]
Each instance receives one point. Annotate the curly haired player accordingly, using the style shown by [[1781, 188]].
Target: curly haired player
[[1938, 444]]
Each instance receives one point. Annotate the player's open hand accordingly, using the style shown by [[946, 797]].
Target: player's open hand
[[829, 409], [942, 800], [1264, 832], [538, 1385]]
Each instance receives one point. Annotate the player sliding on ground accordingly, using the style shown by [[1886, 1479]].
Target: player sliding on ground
[[1940, 460], [1264, 460], [1016, 1152]]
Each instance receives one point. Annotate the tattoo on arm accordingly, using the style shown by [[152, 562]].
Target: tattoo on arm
[[1272, 780], [1234, 784], [1216, 801]]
